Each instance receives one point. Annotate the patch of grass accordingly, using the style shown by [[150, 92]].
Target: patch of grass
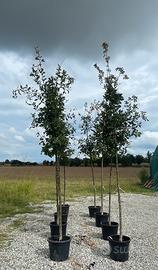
[[17, 223], [3, 237], [15, 195], [134, 186], [84, 187]]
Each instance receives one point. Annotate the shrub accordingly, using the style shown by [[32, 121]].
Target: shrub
[[143, 176]]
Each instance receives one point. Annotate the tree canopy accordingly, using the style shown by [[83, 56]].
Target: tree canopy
[[48, 103], [118, 119]]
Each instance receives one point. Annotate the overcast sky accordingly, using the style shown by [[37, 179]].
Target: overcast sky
[[70, 32]]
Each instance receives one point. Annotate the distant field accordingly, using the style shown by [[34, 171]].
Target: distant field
[[72, 172], [21, 185]]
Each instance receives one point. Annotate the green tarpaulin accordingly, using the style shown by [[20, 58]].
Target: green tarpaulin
[[154, 169], [154, 163]]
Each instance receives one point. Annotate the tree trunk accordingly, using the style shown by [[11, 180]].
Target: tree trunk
[[119, 198], [101, 185], [64, 184], [93, 179], [59, 206], [110, 181], [56, 180]]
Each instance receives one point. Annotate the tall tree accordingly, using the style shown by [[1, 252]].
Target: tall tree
[[86, 142], [139, 159], [118, 119], [49, 115]]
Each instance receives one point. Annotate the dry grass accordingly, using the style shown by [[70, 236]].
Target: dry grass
[[21, 185], [72, 172]]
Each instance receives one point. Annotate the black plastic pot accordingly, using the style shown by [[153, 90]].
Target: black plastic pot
[[108, 230], [101, 218], [119, 251], [59, 250], [65, 209], [54, 228], [93, 210], [64, 217]]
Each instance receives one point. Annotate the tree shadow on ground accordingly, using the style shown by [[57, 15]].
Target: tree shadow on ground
[[45, 235], [90, 223], [96, 235], [101, 252], [84, 215]]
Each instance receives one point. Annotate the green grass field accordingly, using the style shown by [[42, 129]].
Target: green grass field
[[15, 194]]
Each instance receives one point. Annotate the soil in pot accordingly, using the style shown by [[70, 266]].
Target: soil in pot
[[93, 210], [54, 227], [101, 218], [59, 250], [119, 251], [109, 229], [64, 217]]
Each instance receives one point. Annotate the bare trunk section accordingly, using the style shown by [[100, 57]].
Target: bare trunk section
[[59, 206], [110, 181], [57, 191], [56, 178], [64, 185], [101, 185], [119, 199], [93, 179]]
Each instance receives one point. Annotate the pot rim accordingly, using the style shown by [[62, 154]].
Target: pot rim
[[113, 224], [117, 241], [54, 223], [104, 214], [63, 214], [92, 206], [68, 239], [65, 205]]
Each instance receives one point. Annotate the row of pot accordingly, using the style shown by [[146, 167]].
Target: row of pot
[[119, 250], [59, 249]]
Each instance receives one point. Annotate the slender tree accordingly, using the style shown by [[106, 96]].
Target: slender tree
[[49, 116], [110, 185], [117, 121], [86, 142]]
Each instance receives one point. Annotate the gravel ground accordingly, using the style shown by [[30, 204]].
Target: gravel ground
[[28, 248]]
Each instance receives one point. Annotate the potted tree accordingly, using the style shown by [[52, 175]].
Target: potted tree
[[101, 217], [87, 147], [54, 132], [65, 206], [119, 120], [93, 146], [103, 130]]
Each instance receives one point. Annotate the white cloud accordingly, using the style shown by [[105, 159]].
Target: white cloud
[[147, 142], [29, 132], [150, 137], [19, 138], [2, 136], [12, 130], [13, 64]]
